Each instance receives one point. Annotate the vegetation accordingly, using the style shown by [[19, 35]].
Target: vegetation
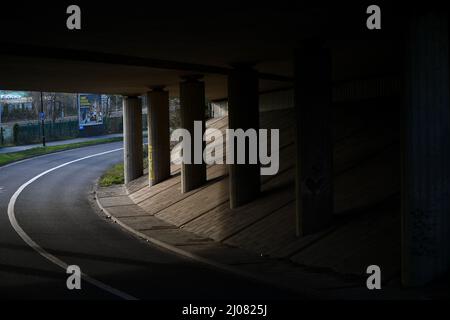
[[114, 175], [21, 155]]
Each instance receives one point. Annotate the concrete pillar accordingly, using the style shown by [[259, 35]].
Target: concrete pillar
[[314, 146], [158, 136], [426, 151], [132, 142], [243, 113], [192, 101]]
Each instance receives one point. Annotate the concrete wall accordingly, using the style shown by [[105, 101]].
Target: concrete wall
[[277, 100], [352, 90]]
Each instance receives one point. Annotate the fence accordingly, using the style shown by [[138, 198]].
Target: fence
[[32, 133]]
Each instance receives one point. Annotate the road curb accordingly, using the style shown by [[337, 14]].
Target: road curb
[[309, 293]]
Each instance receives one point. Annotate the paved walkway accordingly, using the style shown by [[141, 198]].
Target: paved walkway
[[57, 143], [310, 282], [257, 240]]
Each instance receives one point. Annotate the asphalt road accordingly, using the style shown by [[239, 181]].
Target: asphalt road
[[56, 213]]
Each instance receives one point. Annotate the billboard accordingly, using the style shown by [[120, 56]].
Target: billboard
[[89, 110]]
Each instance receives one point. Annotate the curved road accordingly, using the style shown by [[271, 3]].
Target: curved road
[[56, 212]]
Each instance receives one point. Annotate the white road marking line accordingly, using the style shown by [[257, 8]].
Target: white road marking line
[[39, 249], [1, 189]]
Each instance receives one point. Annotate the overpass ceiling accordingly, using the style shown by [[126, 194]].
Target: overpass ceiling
[[127, 48], [37, 74]]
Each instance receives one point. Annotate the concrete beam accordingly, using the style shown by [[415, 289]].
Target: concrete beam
[[192, 102], [158, 136], [243, 113], [314, 147], [132, 142], [426, 151]]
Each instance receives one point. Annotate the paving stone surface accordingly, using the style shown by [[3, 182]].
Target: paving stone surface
[[259, 238]]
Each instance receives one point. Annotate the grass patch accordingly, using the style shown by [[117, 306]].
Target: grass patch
[[38, 151], [113, 176]]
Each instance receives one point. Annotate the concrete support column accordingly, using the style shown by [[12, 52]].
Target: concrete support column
[[158, 136], [132, 142], [314, 146], [426, 151], [243, 113], [192, 101]]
